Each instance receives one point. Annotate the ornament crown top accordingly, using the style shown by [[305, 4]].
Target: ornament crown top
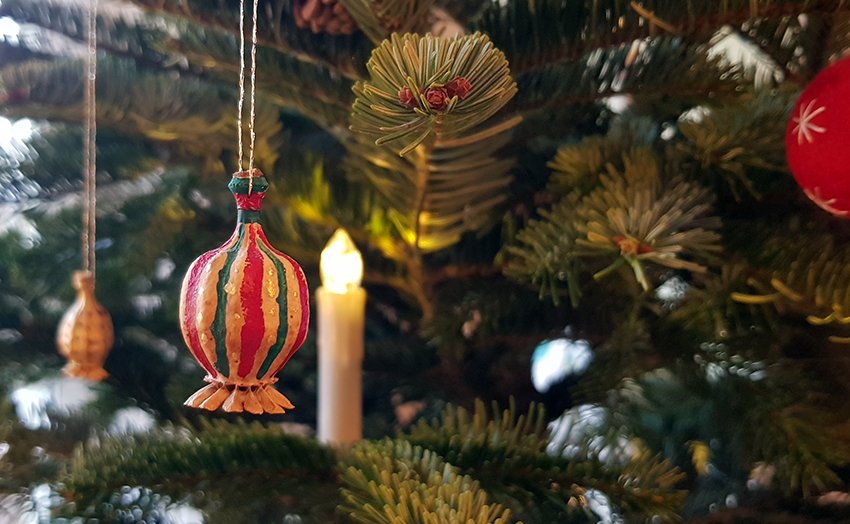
[[83, 280], [249, 188]]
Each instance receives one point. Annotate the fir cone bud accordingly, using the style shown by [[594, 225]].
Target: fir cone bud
[[631, 246], [405, 96], [436, 97], [323, 16], [458, 87]]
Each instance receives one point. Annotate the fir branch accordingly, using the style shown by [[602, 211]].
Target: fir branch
[[836, 43], [796, 432], [501, 436], [730, 142], [630, 219], [177, 454], [433, 196], [627, 352], [343, 55], [806, 273], [395, 483], [656, 68], [709, 308], [545, 252], [579, 166], [437, 196], [780, 39], [537, 34], [379, 18], [304, 210], [310, 88], [430, 86], [503, 449], [196, 116], [631, 216], [122, 33]]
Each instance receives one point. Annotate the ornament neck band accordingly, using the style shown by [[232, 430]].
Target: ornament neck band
[[248, 205], [245, 216]]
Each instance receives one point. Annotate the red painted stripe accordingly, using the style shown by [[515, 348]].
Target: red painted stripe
[[251, 295], [187, 320], [303, 302], [249, 203]]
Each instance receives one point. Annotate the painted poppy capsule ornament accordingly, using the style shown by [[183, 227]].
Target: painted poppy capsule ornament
[[244, 310]]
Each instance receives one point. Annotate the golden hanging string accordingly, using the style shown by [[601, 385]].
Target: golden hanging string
[[89, 142], [253, 88], [85, 333]]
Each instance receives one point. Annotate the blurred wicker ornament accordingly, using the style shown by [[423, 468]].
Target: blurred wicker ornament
[[244, 311], [85, 333], [443, 24], [324, 16]]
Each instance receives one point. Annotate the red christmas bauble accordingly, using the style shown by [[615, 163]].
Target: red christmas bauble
[[817, 142], [244, 310]]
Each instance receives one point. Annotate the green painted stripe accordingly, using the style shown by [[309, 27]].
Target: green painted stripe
[[219, 325], [244, 216], [239, 186], [283, 313]]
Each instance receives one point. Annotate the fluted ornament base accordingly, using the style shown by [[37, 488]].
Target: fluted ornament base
[[255, 399], [94, 373]]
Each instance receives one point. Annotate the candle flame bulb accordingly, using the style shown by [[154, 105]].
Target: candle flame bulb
[[341, 265]]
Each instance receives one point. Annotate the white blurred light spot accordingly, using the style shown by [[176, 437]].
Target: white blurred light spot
[[10, 336], [695, 115], [103, 243], [183, 514], [130, 421], [554, 360], [198, 198], [164, 268], [9, 27], [618, 104], [17, 509], [145, 305], [755, 376], [672, 291], [20, 130], [732, 49], [12, 221], [578, 433], [64, 396], [573, 427], [598, 503], [714, 373]]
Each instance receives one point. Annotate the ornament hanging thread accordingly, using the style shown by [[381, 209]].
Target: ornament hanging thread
[[85, 334], [244, 307]]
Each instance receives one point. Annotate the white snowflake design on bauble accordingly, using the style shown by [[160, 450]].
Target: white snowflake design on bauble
[[805, 127], [826, 205]]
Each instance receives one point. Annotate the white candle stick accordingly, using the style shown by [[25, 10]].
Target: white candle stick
[[341, 305]]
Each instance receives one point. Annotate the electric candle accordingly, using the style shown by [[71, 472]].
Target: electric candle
[[341, 307]]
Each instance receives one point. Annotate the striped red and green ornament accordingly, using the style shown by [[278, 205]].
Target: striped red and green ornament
[[244, 311]]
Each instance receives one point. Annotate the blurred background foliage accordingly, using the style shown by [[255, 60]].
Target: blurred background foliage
[[663, 395]]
